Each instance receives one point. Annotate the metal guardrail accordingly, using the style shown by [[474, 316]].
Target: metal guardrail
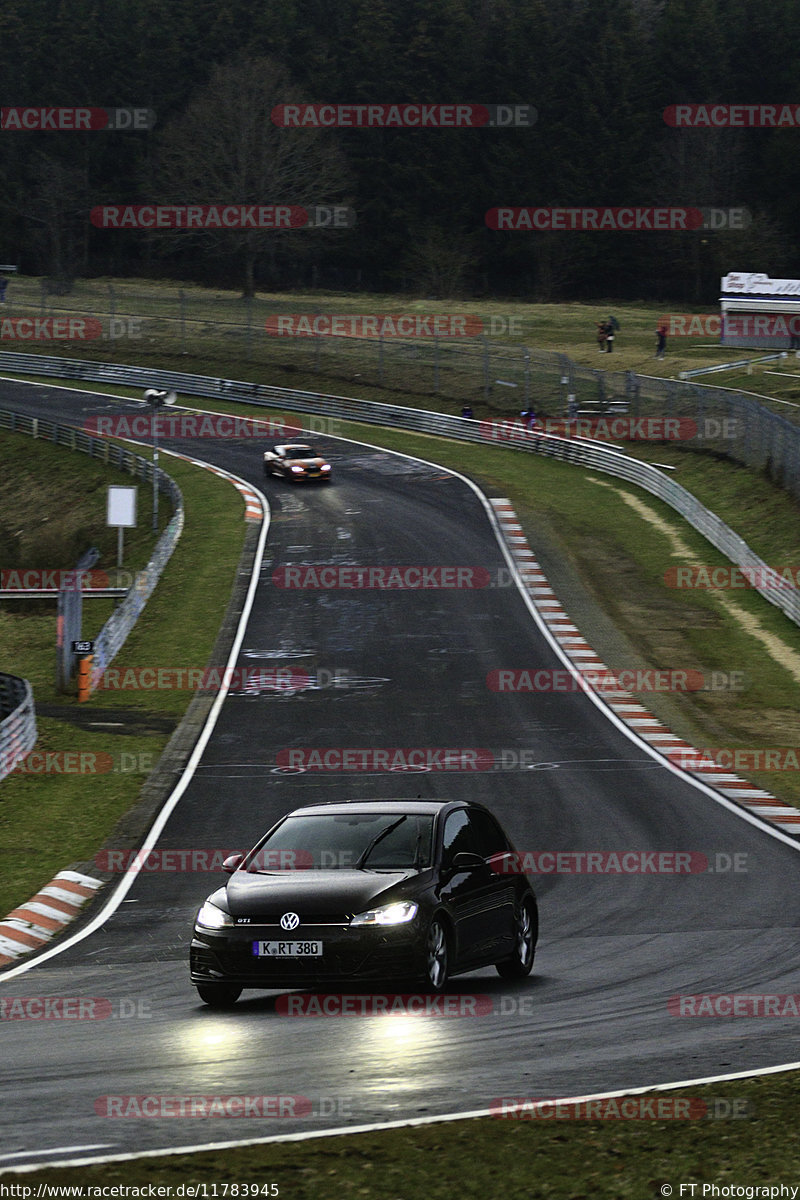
[[17, 722], [732, 366], [580, 451], [112, 636]]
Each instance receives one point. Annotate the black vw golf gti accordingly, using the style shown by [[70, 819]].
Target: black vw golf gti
[[384, 890]]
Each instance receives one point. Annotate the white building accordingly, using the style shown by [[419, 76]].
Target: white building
[[760, 313]]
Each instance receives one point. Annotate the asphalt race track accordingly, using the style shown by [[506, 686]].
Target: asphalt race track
[[594, 1015]]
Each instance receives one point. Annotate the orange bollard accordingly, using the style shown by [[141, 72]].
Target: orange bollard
[[84, 677]]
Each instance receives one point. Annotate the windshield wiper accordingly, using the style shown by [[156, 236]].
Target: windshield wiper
[[377, 838]]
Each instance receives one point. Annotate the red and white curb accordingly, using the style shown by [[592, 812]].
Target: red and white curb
[[253, 508], [763, 804], [32, 925]]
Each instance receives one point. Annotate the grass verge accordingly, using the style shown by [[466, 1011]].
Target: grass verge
[[556, 1158]]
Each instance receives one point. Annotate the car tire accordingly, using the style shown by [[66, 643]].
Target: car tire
[[437, 956], [219, 995], [526, 927]]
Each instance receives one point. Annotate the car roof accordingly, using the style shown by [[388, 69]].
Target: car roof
[[294, 446], [390, 805]]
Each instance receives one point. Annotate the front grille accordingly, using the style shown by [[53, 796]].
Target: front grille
[[307, 922]]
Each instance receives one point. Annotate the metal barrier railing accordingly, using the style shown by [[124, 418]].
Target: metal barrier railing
[[582, 452], [17, 722], [112, 636]]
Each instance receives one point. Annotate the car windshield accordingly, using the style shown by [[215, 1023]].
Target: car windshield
[[301, 452], [333, 842]]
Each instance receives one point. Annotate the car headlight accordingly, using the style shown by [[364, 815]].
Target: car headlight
[[211, 917], [325, 467], [297, 470], [390, 914]]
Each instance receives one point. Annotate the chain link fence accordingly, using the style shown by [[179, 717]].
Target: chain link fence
[[501, 377]]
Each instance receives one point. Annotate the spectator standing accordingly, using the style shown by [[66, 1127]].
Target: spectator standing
[[661, 341]]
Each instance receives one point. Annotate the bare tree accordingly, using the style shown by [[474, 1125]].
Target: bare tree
[[439, 264], [225, 149], [51, 200]]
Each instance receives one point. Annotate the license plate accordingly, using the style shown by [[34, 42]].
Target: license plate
[[287, 949]]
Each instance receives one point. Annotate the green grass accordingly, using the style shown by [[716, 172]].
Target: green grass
[[219, 334]]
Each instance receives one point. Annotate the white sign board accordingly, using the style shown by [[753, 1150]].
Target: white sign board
[[121, 507], [744, 283]]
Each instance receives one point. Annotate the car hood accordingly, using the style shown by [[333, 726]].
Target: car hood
[[313, 895], [305, 462]]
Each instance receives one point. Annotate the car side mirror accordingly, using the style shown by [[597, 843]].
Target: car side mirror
[[232, 863], [465, 860]]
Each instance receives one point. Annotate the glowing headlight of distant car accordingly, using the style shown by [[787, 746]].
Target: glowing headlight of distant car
[[297, 470], [389, 914], [325, 467], [211, 917]]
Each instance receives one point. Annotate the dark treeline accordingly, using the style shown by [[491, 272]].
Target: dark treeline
[[599, 74]]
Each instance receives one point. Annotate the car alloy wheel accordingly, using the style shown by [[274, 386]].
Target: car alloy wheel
[[436, 956], [521, 961]]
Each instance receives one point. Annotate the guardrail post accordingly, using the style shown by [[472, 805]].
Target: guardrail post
[[84, 677]]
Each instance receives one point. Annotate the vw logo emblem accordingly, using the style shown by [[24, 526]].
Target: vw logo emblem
[[290, 921]]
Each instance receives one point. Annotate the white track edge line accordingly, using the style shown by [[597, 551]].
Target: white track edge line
[[408, 1123]]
